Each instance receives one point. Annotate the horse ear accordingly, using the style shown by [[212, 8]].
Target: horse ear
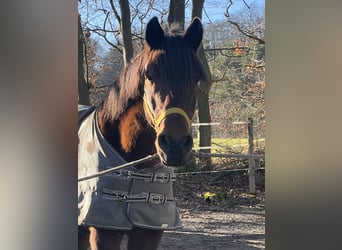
[[154, 34], [194, 34]]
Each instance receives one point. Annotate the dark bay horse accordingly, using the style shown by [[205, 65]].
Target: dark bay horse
[[147, 111]]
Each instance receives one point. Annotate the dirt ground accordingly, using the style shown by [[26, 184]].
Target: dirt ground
[[208, 230], [233, 219]]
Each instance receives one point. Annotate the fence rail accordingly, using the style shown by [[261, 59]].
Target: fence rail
[[243, 156], [216, 171], [251, 156]]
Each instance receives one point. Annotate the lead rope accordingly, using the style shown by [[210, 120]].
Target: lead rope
[[107, 171]]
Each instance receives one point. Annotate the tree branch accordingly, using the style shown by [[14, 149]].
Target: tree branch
[[206, 14], [221, 78], [101, 29], [227, 8], [232, 48], [230, 4], [109, 42], [246, 4], [247, 34], [115, 12]]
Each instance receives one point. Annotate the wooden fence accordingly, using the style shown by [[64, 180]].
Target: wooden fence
[[251, 156]]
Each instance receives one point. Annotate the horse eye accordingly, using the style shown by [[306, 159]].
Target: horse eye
[[148, 75], [199, 86], [198, 83]]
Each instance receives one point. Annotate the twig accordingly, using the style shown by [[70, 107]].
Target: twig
[[246, 4], [227, 9]]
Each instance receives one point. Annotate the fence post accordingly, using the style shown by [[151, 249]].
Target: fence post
[[251, 161]]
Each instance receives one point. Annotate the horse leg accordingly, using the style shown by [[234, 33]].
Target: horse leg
[[103, 239], [143, 239], [83, 238], [93, 238]]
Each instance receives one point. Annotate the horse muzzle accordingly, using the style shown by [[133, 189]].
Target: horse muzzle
[[174, 152], [174, 142]]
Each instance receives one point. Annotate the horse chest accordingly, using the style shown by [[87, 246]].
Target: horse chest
[[123, 199]]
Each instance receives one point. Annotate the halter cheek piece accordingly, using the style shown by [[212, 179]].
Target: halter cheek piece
[[157, 120]]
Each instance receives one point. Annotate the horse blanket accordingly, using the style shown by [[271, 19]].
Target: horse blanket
[[122, 199]]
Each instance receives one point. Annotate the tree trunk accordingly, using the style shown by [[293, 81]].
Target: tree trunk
[[83, 91], [125, 27], [177, 13], [203, 99]]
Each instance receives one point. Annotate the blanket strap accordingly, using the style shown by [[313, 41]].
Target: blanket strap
[[149, 177], [142, 197]]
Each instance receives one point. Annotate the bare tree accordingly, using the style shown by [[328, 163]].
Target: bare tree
[[83, 91], [203, 98], [177, 13], [125, 28]]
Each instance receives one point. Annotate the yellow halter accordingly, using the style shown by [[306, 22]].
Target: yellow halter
[[163, 115]]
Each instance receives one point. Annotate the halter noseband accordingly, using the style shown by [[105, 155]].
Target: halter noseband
[[174, 110]]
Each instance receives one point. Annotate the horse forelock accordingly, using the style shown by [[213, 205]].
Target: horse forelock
[[176, 65]]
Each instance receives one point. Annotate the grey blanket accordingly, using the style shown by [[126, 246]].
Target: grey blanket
[[125, 198]]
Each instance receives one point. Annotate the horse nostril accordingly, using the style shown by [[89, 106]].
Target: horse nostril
[[186, 141], [163, 141], [168, 145]]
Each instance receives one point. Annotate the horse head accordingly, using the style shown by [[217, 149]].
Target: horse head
[[173, 74]]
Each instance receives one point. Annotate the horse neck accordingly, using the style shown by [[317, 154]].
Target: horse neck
[[130, 134]]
